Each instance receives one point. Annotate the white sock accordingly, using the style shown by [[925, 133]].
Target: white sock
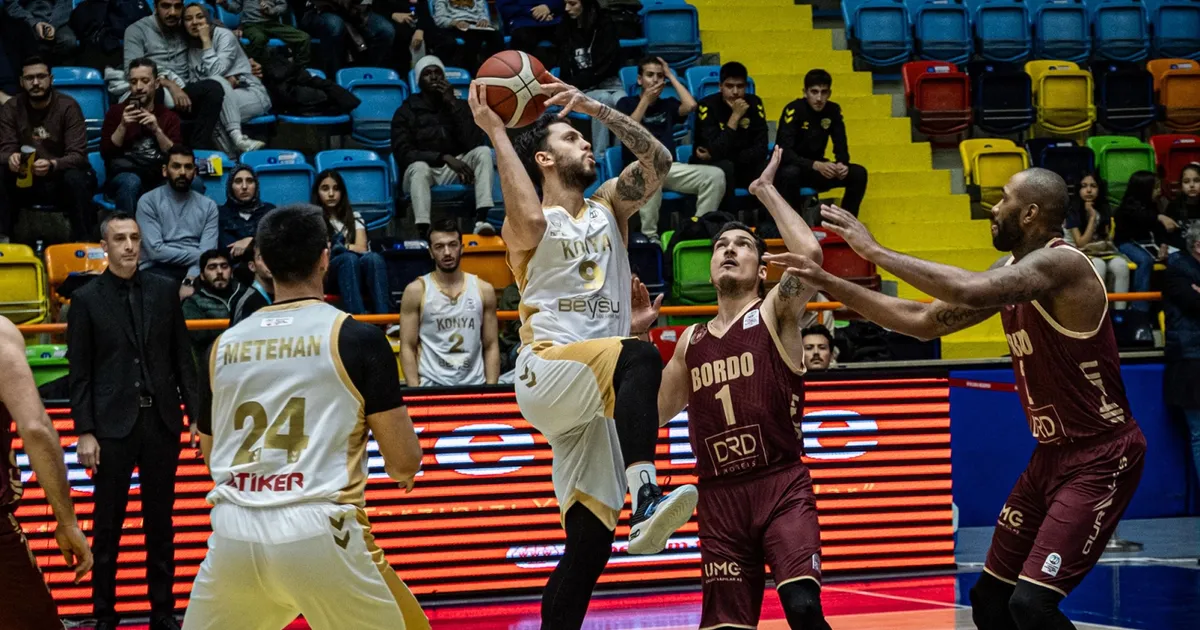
[[638, 475]]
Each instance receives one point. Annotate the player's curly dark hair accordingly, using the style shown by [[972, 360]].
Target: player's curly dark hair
[[532, 139]]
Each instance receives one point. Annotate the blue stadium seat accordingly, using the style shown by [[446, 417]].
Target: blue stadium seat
[[1120, 29], [1064, 157], [97, 164], [672, 31], [318, 121], [1001, 30], [381, 91], [646, 260], [214, 184], [368, 182], [1061, 30], [459, 78], [1176, 28], [283, 176], [704, 80], [1002, 96], [1124, 96], [86, 86], [943, 30], [448, 192], [878, 31]]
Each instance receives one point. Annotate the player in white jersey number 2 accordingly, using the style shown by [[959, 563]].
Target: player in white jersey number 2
[[581, 380], [296, 388]]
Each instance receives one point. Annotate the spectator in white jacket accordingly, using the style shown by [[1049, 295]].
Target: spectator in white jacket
[[214, 52]]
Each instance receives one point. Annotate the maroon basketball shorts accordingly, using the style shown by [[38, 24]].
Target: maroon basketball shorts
[[25, 603], [745, 522], [1064, 508]]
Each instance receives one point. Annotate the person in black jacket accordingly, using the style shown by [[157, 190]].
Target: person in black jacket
[[590, 59], [731, 132], [436, 142], [131, 368], [100, 26], [804, 130], [414, 27]]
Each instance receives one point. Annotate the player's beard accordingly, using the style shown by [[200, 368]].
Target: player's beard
[[576, 175], [731, 287], [451, 268], [1008, 235]]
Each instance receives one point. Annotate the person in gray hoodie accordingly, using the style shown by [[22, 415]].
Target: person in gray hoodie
[[262, 21], [178, 224], [39, 27], [215, 53]]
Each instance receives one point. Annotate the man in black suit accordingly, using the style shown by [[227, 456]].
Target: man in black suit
[[131, 366]]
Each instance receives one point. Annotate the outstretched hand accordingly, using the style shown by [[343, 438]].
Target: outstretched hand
[[643, 312], [768, 175], [570, 98], [801, 266], [847, 226]]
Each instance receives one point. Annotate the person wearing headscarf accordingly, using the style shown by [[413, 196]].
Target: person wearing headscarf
[[238, 218]]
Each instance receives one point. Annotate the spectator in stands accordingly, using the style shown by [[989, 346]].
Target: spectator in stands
[[819, 351], [470, 21], [263, 20], [215, 53], [1141, 230], [342, 23], [132, 375], [530, 23], [1185, 207], [591, 60], [52, 123], [160, 38], [731, 131], [100, 26], [436, 142], [1089, 227], [659, 116], [448, 329], [263, 293], [805, 129], [40, 28], [178, 224], [353, 269], [238, 218], [135, 138], [217, 291], [1181, 303], [8, 78], [413, 22]]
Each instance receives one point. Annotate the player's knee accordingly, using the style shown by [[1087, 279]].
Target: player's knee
[[989, 602], [801, 600], [638, 353], [1032, 605]]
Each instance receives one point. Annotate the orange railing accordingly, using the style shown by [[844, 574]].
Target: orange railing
[[393, 318]]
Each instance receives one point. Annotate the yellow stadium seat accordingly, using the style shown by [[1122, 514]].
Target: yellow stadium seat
[[66, 258], [988, 163], [1062, 94], [484, 256], [22, 285]]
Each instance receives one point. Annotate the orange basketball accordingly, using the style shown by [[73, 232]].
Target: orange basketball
[[514, 86]]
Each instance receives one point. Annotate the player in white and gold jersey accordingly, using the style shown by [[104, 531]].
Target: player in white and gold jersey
[[582, 381], [296, 387], [448, 333]]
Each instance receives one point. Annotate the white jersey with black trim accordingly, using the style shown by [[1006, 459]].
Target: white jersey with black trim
[[451, 343], [288, 424], [576, 284]]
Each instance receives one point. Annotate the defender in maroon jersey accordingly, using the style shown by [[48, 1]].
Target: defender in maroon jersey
[[1089, 457], [741, 376], [25, 602]]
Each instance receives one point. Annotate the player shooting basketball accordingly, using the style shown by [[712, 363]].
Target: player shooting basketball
[[741, 376], [1089, 457], [582, 382]]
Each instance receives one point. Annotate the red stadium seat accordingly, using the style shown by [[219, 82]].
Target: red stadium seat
[[938, 96], [665, 338], [1172, 152], [841, 260]]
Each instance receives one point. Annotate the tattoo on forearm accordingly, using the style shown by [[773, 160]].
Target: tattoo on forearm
[[631, 185], [950, 318], [791, 286], [637, 139]]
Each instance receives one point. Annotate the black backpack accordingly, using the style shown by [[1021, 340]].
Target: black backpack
[[295, 92], [694, 228]]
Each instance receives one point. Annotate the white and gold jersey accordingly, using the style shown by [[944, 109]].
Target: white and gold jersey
[[451, 343], [576, 284], [288, 424]]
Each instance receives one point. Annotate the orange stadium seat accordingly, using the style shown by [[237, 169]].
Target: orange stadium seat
[[64, 259], [484, 256], [1177, 82]]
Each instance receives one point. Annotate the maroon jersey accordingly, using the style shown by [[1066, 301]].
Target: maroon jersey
[[1069, 382], [10, 475], [745, 399]]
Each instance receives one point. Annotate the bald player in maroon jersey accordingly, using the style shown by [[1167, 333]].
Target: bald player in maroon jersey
[[25, 602], [1090, 451], [741, 376]]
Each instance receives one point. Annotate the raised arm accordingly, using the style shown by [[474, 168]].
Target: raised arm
[[524, 222], [789, 298], [916, 319], [640, 180], [1039, 274], [673, 392]]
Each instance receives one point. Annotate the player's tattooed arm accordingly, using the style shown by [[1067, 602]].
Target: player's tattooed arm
[[640, 180]]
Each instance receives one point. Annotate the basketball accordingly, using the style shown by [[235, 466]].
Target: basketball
[[514, 89]]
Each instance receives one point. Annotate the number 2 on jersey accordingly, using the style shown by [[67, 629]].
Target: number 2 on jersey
[[726, 404], [294, 441], [458, 340]]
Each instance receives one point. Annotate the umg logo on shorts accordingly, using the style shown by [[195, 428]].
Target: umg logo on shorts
[[723, 571]]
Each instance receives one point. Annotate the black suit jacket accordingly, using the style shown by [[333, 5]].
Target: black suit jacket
[[102, 354]]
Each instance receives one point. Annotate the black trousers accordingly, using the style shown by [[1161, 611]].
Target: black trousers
[[201, 120], [791, 178], [526, 39], [154, 450], [736, 176], [68, 190], [477, 46]]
